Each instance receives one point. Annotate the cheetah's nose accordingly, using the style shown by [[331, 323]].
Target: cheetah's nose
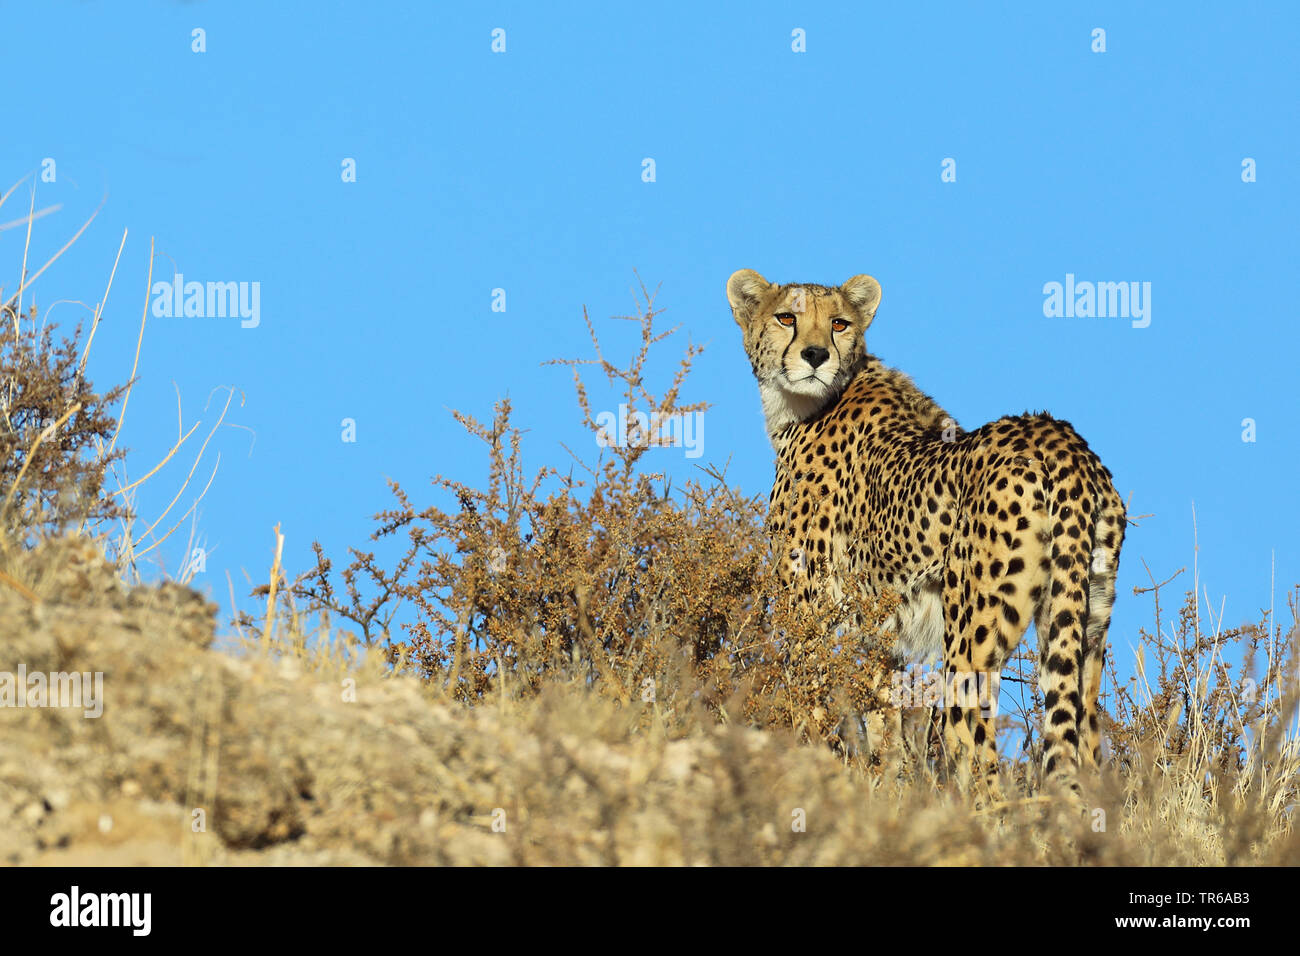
[[814, 355]]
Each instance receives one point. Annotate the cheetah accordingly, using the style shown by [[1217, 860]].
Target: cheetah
[[977, 532]]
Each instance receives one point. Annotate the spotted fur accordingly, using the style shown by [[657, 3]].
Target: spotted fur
[[979, 532]]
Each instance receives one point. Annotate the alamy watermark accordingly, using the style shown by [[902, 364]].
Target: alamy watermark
[[1102, 300], [934, 688], [208, 300], [129, 910], [635, 429], [56, 689]]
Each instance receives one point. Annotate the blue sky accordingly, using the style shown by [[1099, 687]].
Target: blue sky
[[522, 170]]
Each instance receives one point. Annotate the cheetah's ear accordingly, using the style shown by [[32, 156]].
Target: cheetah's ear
[[863, 292], [744, 289]]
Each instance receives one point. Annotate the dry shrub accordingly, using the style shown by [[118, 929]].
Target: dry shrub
[[59, 439], [53, 428], [616, 582]]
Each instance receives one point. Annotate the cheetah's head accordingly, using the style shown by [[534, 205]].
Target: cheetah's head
[[805, 342]]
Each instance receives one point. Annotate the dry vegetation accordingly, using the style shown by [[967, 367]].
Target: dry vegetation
[[555, 669]]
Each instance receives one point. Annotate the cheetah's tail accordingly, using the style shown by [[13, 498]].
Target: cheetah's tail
[[1087, 528]]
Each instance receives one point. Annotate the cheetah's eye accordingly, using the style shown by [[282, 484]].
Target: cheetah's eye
[[839, 325], [785, 318]]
